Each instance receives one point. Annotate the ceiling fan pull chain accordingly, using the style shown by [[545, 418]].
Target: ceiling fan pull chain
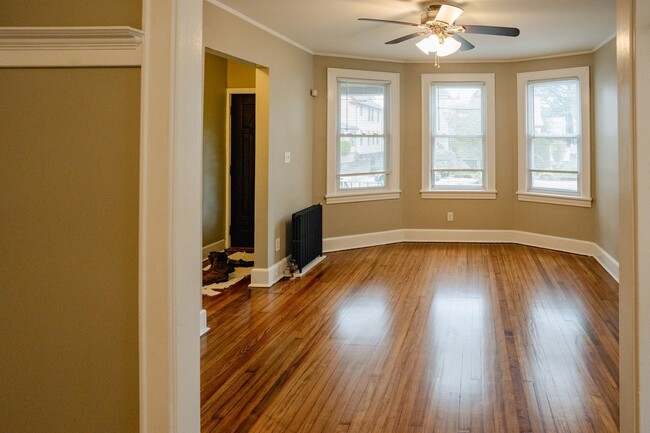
[[435, 60]]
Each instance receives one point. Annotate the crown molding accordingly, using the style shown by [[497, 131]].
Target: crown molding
[[259, 25], [34, 47]]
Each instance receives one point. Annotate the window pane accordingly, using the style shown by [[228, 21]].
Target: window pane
[[457, 153], [554, 154], [457, 109], [567, 182], [457, 178], [361, 107], [556, 106], [361, 155], [362, 181]]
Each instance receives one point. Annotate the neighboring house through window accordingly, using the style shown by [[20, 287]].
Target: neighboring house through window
[[554, 143], [458, 138], [363, 135]]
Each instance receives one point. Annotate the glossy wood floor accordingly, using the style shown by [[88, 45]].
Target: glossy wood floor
[[418, 338]]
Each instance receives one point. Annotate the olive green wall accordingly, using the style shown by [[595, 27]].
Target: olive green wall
[[214, 149], [413, 212], [606, 146], [69, 163], [240, 75], [46, 13]]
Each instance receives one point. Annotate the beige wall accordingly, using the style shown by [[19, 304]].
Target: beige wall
[[410, 211], [606, 149], [69, 161], [281, 189], [214, 149], [46, 13]]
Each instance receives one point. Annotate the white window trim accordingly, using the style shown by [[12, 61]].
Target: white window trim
[[489, 192], [523, 193], [391, 191]]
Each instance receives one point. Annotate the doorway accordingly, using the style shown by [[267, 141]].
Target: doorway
[[242, 171]]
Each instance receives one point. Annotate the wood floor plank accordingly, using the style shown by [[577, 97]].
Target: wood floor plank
[[463, 338]]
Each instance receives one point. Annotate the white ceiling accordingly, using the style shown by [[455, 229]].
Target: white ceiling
[[548, 27]]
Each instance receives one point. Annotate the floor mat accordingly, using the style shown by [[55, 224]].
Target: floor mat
[[215, 289]]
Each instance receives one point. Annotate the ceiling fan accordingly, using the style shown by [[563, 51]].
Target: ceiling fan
[[442, 34]]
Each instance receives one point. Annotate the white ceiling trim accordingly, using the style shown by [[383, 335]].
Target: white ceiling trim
[[348, 56], [603, 43], [259, 25]]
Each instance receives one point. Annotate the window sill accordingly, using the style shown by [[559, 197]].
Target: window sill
[[459, 194], [362, 196], [554, 199]]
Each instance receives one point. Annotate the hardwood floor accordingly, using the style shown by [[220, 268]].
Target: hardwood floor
[[418, 338]]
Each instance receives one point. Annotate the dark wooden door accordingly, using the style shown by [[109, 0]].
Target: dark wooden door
[[242, 170]]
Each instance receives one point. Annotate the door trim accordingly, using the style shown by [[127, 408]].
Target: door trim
[[229, 93]]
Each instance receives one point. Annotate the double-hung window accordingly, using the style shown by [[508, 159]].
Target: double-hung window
[[554, 136], [363, 136], [458, 149]]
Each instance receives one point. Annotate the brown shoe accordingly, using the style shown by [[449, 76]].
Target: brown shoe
[[222, 261], [212, 256], [215, 276]]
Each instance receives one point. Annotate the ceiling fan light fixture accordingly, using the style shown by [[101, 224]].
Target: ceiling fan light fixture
[[450, 46], [429, 44]]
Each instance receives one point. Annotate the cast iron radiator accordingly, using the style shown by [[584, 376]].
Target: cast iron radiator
[[307, 230]]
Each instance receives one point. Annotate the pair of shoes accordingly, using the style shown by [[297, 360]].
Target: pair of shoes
[[219, 268], [241, 263]]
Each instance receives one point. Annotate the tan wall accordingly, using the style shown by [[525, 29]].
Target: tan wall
[[240, 75], [606, 149], [410, 211], [69, 161], [46, 13], [214, 149], [468, 214], [287, 187], [555, 220], [349, 218]]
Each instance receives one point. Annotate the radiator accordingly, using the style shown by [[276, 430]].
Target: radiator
[[307, 231]]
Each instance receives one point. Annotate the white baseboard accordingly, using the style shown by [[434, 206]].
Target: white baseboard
[[203, 322], [216, 246], [474, 236], [607, 262], [266, 277], [363, 240]]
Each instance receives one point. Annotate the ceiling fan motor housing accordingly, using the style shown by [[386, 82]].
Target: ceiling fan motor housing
[[440, 13]]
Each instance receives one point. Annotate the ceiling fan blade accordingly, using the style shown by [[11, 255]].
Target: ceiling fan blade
[[491, 30], [389, 21], [406, 38], [465, 45]]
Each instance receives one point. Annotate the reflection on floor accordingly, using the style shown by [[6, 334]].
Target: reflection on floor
[[418, 338]]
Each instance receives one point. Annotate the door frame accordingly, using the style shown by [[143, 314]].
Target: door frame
[[229, 93]]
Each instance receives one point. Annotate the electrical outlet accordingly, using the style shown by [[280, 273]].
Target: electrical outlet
[[450, 216], [277, 245], [287, 157]]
